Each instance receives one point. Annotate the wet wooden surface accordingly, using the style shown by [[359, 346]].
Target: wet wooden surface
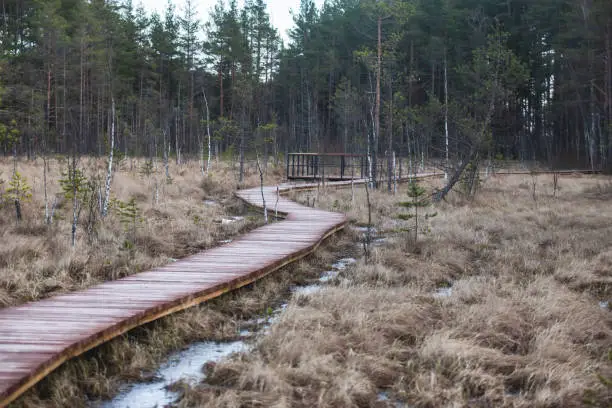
[[37, 337]]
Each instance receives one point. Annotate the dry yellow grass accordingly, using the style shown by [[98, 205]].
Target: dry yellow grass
[[522, 326], [37, 260]]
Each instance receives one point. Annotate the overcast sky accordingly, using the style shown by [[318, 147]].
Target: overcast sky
[[278, 9]]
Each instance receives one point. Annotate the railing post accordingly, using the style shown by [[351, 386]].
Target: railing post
[[311, 165], [361, 165], [323, 170]]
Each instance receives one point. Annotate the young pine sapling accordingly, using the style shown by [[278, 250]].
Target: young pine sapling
[[129, 216], [418, 199], [19, 191], [75, 187]]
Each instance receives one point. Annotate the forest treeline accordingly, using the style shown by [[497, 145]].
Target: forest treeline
[[446, 79]]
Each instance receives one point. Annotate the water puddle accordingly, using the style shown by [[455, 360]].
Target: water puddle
[[383, 396], [186, 364], [337, 267], [364, 232], [379, 241], [326, 277], [341, 264], [605, 304], [231, 220], [443, 292], [375, 239], [306, 290]]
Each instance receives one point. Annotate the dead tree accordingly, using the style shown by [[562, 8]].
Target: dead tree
[[454, 179], [263, 197], [207, 132], [109, 171], [276, 204], [367, 239]]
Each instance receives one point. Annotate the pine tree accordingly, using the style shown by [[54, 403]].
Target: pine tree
[[129, 216], [419, 199], [9, 135], [19, 191], [147, 169], [74, 181]]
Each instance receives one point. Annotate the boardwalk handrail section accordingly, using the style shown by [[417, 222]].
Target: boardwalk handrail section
[[326, 166]]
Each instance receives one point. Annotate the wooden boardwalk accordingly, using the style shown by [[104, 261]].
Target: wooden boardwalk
[[37, 337]]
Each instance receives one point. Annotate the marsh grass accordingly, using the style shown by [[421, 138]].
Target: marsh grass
[[520, 325]]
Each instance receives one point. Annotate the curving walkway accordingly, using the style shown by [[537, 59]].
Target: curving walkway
[[37, 337]]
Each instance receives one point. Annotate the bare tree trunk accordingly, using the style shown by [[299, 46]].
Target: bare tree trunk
[[75, 211], [394, 175], [440, 194], [390, 153], [377, 107], [369, 155], [410, 161], [156, 198], [263, 197], [242, 130], [177, 149], [47, 221], [368, 235], [446, 114], [49, 101], [276, 204], [166, 158], [201, 142], [220, 73], [609, 86], [52, 212], [592, 126], [82, 85], [207, 130], [109, 172]]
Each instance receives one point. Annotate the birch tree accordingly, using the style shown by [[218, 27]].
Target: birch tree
[[109, 170]]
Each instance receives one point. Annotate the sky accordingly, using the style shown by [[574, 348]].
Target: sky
[[279, 10]]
